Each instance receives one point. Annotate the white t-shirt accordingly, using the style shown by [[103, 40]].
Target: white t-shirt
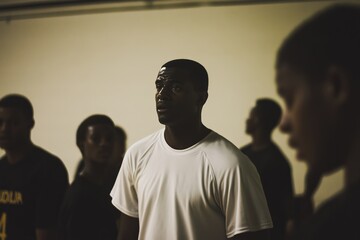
[[208, 191]]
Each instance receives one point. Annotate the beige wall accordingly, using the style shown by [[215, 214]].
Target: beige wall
[[74, 66]]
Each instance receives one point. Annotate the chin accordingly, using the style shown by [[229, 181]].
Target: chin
[[6, 147], [164, 120]]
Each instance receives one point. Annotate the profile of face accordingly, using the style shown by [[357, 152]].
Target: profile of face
[[309, 119], [119, 151], [15, 128], [177, 102], [98, 144], [251, 122]]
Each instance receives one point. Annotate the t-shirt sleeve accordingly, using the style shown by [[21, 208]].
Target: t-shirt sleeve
[[123, 193], [243, 200], [53, 185]]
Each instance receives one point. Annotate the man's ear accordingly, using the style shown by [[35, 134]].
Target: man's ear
[[203, 96], [337, 85], [80, 145]]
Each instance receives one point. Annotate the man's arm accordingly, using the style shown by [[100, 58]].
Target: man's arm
[[258, 235], [129, 228]]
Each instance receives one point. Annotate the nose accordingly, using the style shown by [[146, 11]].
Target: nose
[[105, 142], [164, 92], [285, 125]]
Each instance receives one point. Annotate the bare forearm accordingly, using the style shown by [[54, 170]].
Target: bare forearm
[[258, 235], [129, 228]]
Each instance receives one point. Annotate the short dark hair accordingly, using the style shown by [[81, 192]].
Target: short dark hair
[[20, 102], [90, 121], [121, 134], [195, 69], [269, 113], [330, 37]]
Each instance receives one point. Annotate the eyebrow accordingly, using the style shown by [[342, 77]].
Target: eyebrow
[[172, 80]]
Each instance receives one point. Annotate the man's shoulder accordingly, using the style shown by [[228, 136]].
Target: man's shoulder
[[218, 143], [144, 143], [154, 136], [246, 148], [222, 152], [43, 159], [214, 138], [41, 152]]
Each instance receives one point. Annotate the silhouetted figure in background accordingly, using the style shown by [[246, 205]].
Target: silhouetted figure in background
[[87, 212], [32, 181], [271, 163], [318, 76], [186, 181], [118, 155]]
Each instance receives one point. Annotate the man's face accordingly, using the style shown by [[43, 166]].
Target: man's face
[[177, 102], [308, 119], [252, 122], [99, 143], [15, 128]]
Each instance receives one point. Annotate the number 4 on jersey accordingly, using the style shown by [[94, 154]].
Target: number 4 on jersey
[[3, 227]]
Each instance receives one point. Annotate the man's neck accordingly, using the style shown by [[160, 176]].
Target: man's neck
[[352, 167], [186, 136], [97, 174], [260, 141], [17, 154]]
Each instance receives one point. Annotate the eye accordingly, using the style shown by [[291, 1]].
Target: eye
[[176, 88], [95, 139], [15, 123], [159, 86]]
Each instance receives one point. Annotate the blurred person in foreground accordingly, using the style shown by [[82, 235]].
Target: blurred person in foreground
[[317, 75]]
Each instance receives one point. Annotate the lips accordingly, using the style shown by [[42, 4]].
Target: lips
[[293, 144], [105, 154], [162, 107]]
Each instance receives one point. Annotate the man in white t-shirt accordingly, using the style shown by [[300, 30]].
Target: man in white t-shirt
[[186, 182]]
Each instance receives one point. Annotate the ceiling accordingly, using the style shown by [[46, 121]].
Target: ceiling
[[24, 9]]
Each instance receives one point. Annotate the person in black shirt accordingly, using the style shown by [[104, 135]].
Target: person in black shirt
[[87, 212], [32, 181], [272, 165]]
